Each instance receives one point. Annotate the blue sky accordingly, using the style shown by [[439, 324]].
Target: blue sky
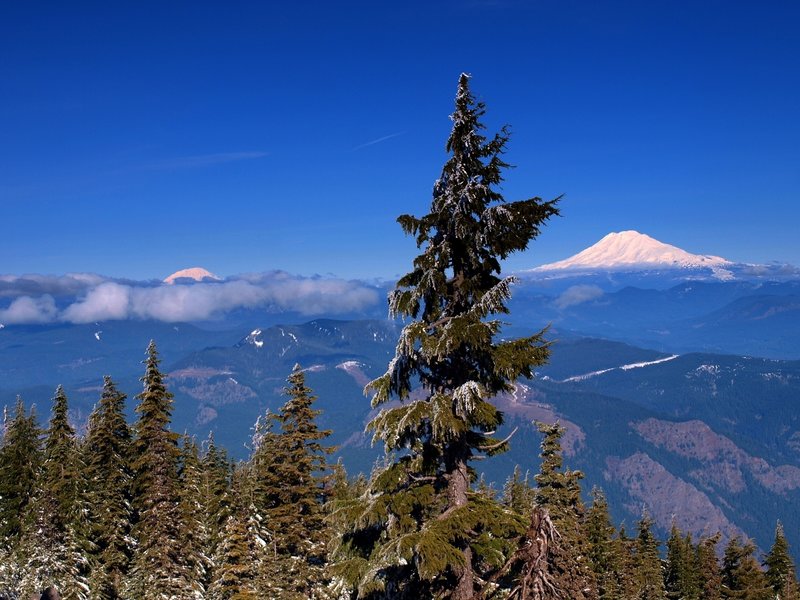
[[140, 138]]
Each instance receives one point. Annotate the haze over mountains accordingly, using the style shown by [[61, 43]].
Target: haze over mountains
[[676, 374]]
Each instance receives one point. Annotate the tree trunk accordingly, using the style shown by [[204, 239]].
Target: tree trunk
[[457, 487]]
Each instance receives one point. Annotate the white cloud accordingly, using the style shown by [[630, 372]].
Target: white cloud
[[578, 294], [71, 284], [204, 160], [107, 302], [26, 309], [112, 300]]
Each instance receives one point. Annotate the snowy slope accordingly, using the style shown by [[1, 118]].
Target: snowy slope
[[631, 249]]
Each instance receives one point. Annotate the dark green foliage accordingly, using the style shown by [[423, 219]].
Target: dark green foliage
[[215, 493], [604, 558], [62, 466], [742, 577], [422, 531], [709, 577], [518, 495], [649, 573], [159, 570], [681, 576], [626, 557], [195, 538], [558, 491], [107, 456], [288, 468], [20, 460], [236, 557], [50, 551], [781, 573]]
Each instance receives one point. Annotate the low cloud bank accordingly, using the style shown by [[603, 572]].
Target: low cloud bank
[[72, 284], [578, 294], [90, 298]]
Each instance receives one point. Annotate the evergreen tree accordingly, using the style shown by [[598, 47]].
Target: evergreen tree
[[415, 534], [680, 577], [781, 573], [626, 557], [559, 492], [51, 553], [603, 556], [20, 461], [708, 570], [649, 573], [215, 493], [343, 495], [292, 494], [741, 576], [195, 539], [159, 570], [107, 455], [239, 552], [518, 495]]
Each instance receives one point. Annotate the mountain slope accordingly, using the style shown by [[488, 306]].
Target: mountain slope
[[628, 249]]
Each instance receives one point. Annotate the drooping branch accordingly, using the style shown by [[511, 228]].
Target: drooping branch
[[500, 443]]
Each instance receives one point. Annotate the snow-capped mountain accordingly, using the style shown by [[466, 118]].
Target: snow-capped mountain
[[634, 250], [191, 274]]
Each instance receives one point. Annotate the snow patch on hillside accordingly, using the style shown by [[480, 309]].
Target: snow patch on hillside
[[356, 370], [253, 338], [627, 367]]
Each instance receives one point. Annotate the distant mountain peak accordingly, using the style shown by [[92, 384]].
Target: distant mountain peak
[[631, 249], [193, 273]]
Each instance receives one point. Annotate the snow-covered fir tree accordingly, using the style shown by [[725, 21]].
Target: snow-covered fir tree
[[159, 569], [20, 463], [108, 476], [289, 468], [51, 553], [421, 531]]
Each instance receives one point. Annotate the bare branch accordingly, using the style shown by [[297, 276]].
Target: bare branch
[[498, 444]]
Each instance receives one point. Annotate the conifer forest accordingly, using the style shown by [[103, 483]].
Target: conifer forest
[[130, 509]]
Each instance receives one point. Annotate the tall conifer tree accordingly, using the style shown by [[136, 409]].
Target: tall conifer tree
[[20, 462], [742, 577], [649, 572], [292, 490], [195, 537], [558, 491], [681, 576], [215, 493], [107, 455], [781, 573], [51, 551], [708, 571], [603, 557], [417, 529], [240, 551], [159, 568]]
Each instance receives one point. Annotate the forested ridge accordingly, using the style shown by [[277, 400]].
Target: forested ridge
[[277, 525], [138, 511]]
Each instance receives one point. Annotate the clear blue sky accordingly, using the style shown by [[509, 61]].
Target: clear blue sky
[[140, 138]]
